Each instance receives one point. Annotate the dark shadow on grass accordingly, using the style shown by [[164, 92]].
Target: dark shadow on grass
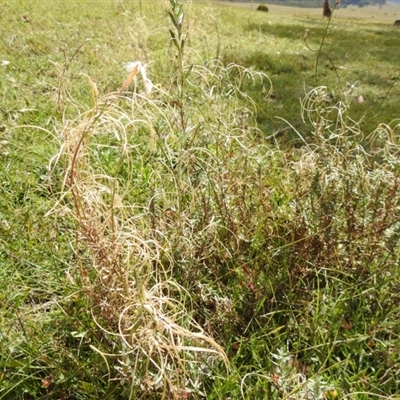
[[287, 74], [283, 31], [273, 64]]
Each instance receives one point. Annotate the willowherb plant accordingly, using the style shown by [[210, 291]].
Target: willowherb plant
[[288, 381], [150, 205], [176, 15], [350, 183]]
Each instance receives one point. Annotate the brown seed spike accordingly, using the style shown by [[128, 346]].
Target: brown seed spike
[[327, 10]]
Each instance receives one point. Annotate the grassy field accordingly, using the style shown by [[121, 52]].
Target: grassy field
[[218, 219]]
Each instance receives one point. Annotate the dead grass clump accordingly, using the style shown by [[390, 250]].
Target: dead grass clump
[[149, 194], [132, 297]]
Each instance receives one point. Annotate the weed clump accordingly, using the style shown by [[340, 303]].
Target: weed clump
[[206, 256], [178, 198], [139, 177]]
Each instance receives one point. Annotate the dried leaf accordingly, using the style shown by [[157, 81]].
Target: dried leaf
[[95, 92], [45, 383], [130, 78]]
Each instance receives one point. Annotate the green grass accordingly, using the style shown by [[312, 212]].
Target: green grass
[[274, 44], [234, 234]]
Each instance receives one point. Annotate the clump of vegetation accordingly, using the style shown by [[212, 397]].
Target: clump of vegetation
[[262, 7], [176, 247]]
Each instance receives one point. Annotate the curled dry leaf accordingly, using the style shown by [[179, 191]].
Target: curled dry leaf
[[130, 78], [45, 383]]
